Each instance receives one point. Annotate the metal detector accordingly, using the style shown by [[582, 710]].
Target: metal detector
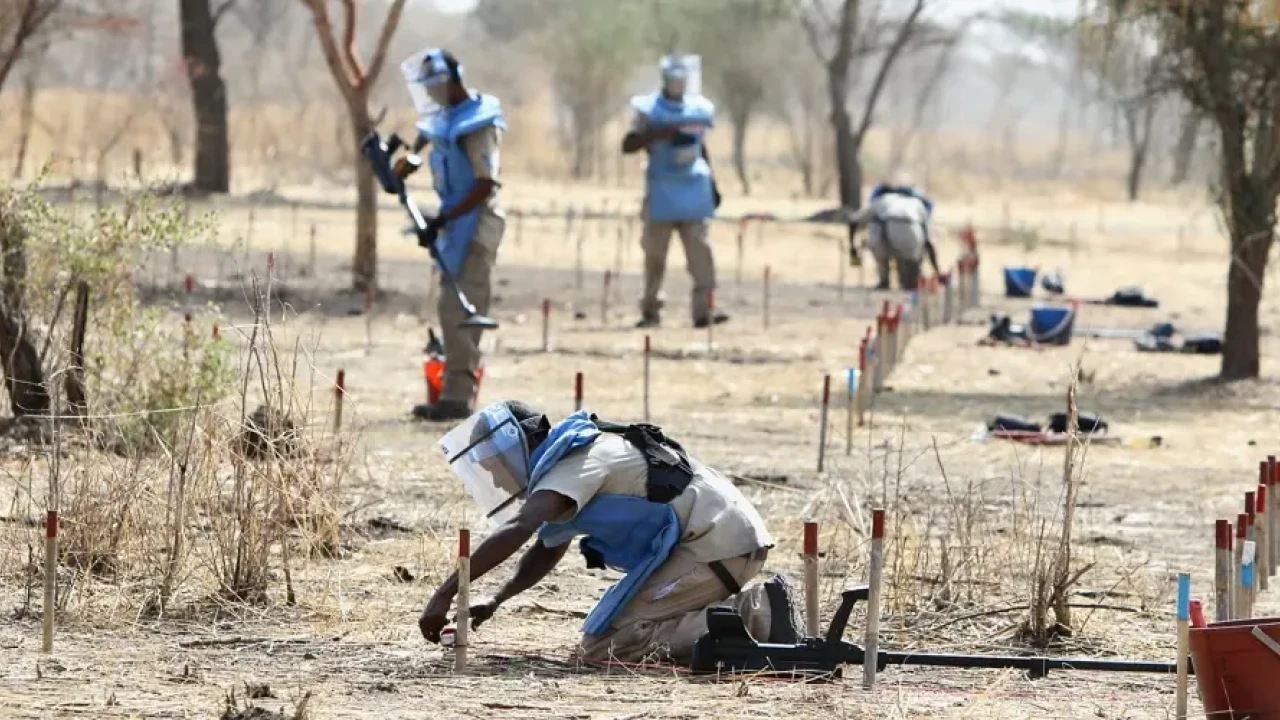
[[378, 152], [728, 647]]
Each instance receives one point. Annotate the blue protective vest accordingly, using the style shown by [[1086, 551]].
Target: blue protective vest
[[632, 534], [451, 169], [678, 179]]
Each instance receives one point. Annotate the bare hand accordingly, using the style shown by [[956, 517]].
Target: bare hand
[[482, 612], [433, 620]]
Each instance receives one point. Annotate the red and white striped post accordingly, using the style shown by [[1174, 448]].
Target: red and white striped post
[[876, 573], [1221, 571], [546, 324], [764, 304], [1251, 510], [822, 426], [1263, 563], [50, 573], [463, 617], [811, 607], [339, 393], [1273, 517], [646, 377], [577, 392], [881, 348]]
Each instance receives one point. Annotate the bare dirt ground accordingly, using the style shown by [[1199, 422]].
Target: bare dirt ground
[[748, 406]]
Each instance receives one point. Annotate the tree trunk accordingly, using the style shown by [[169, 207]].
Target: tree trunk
[[23, 376], [26, 118], [1185, 149], [847, 165], [1138, 122], [740, 123], [208, 97], [364, 265]]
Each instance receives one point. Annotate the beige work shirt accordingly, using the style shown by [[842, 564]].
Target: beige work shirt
[[484, 150], [716, 521]]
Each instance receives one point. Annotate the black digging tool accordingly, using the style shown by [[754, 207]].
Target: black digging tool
[[728, 647], [378, 152]]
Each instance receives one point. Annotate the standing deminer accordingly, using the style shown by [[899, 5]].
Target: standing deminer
[[899, 217], [464, 130], [680, 190], [684, 536]]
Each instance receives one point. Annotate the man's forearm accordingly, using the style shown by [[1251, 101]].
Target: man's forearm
[[536, 562], [491, 553], [480, 191]]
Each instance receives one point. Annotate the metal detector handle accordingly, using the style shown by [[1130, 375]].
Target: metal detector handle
[[848, 598]]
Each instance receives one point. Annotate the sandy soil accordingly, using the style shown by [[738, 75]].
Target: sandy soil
[[749, 405]]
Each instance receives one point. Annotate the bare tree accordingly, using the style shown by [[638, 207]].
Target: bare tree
[[854, 35], [21, 22], [1226, 64], [355, 81], [1184, 149], [902, 134], [208, 93]]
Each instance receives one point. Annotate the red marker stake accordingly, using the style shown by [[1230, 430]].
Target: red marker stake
[[646, 378], [822, 427], [811, 608], [546, 324], [1273, 517], [1221, 570], [577, 392], [339, 392], [859, 391], [1241, 592], [463, 617], [871, 655], [1263, 562], [50, 578]]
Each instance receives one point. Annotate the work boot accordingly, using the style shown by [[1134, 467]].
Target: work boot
[[785, 625], [649, 320], [442, 411], [718, 318]]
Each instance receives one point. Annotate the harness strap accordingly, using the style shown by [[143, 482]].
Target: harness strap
[[726, 578]]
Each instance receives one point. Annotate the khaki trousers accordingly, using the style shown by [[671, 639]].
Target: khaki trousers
[[656, 241], [462, 346], [900, 241], [669, 614]]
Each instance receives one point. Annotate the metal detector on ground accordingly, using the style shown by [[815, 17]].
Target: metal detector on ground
[[728, 647], [378, 152]]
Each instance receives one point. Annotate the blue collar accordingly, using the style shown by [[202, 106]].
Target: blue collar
[[572, 432]]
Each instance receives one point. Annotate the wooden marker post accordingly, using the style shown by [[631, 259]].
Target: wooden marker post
[[339, 392], [871, 654], [546, 324], [1221, 574], [463, 617], [604, 298], [646, 378], [1273, 517], [50, 573], [1231, 573], [822, 425], [949, 298], [764, 305], [577, 392], [711, 319], [1263, 540], [1251, 510], [812, 610], [1240, 610], [864, 380], [880, 345], [1184, 641]]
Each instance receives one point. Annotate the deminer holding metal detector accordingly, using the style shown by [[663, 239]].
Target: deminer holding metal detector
[[680, 190], [464, 131], [899, 217], [684, 536]]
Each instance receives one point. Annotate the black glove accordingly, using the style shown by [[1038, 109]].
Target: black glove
[[428, 236]]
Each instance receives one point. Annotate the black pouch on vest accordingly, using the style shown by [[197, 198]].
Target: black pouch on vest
[[669, 469]]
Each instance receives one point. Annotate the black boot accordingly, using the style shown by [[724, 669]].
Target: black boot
[[785, 625], [442, 411], [717, 318], [649, 320]]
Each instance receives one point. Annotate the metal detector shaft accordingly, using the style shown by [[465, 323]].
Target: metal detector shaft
[[1035, 666]]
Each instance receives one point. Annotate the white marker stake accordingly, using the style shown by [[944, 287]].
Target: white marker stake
[[50, 577], [871, 654], [463, 617], [1221, 574], [646, 378], [822, 427], [1184, 641], [811, 608]]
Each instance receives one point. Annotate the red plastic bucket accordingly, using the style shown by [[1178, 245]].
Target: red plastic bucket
[[1238, 675], [433, 373]]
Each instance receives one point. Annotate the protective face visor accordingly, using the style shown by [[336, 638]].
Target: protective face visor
[[426, 74], [681, 74], [489, 454]]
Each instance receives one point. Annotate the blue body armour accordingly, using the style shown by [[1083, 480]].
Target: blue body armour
[[451, 169], [631, 534], [907, 190], [678, 178]]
